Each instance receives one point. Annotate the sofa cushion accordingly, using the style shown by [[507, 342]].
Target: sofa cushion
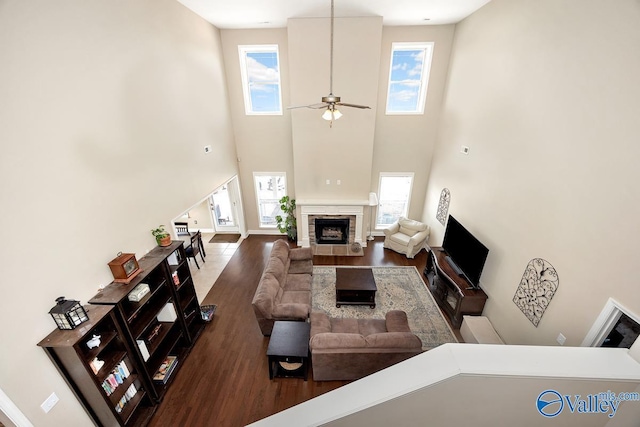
[[301, 266], [291, 311], [297, 282], [331, 340], [408, 231], [400, 238], [266, 293], [297, 297], [280, 250], [344, 326], [410, 224], [298, 254], [371, 326], [320, 323], [397, 321], [393, 340], [276, 267]]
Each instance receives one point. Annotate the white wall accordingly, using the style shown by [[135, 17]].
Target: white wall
[[263, 142], [369, 141], [545, 94], [106, 107], [405, 143], [343, 152]]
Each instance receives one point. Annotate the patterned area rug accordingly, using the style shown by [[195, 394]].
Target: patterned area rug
[[399, 288]]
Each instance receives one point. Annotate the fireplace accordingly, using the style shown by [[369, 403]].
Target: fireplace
[[332, 230], [310, 211]]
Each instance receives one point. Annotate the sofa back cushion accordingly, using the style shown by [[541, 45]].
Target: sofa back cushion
[[397, 321], [410, 227], [266, 294], [394, 340], [328, 340], [277, 268], [280, 250]]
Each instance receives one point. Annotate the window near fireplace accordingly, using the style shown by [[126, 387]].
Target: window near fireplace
[[394, 195], [270, 188], [260, 71]]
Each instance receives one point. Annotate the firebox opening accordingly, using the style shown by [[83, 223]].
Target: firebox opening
[[332, 231]]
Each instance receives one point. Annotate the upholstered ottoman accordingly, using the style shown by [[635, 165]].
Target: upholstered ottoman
[[348, 349], [479, 330]]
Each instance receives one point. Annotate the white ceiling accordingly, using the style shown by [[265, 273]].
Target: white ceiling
[[274, 13]]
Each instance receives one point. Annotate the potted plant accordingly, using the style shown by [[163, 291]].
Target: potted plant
[[162, 237], [288, 224]]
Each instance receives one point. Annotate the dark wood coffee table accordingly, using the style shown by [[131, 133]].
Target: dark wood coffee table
[[355, 286], [288, 350]]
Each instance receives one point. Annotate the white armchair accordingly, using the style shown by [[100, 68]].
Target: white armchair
[[406, 236]]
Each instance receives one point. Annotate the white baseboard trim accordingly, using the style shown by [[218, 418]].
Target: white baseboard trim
[[266, 232]]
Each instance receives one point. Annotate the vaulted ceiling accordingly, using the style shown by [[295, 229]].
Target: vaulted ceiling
[[274, 13]]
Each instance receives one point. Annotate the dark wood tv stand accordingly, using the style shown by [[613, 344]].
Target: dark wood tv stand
[[453, 293]]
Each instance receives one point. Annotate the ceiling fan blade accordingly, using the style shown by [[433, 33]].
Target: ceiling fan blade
[[314, 106], [344, 104]]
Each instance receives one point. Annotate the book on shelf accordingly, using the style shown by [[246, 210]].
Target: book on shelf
[[176, 279], [144, 351], [115, 378], [166, 369]]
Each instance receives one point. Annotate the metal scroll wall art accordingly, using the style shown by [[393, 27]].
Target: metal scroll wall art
[[443, 205], [538, 285]]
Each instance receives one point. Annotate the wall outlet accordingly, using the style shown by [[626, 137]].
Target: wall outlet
[[207, 149], [338, 182], [328, 182], [51, 401], [464, 149], [561, 339]]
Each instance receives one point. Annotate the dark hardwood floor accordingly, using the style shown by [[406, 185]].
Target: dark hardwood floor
[[225, 379]]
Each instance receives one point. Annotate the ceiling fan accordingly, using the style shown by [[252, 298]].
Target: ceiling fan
[[331, 101]]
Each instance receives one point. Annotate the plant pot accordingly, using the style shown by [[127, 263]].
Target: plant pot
[[164, 241]]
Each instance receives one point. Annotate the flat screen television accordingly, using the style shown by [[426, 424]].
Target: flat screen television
[[467, 253]]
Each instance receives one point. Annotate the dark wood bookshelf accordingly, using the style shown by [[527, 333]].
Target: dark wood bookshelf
[[121, 324]]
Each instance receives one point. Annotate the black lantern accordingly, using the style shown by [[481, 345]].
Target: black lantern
[[68, 313]]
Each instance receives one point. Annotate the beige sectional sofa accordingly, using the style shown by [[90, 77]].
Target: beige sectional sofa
[[284, 290], [348, 349]]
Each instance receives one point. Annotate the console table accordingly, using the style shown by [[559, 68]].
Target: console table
[[453, 293]]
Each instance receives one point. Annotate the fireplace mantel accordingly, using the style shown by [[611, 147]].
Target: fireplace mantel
[[331, 207], [329, 202]]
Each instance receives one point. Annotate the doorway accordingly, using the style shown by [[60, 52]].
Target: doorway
[[225, 207], [624, 333], [616, 326]]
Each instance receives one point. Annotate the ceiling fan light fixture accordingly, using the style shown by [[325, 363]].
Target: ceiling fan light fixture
[[331, 114]]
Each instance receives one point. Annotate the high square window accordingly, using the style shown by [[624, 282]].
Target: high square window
[[260, 70], [409, 77]]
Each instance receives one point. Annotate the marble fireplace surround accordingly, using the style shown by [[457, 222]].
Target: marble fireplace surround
[[312, 209]]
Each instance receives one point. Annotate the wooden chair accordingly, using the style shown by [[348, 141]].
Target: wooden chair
[[195, 248]]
